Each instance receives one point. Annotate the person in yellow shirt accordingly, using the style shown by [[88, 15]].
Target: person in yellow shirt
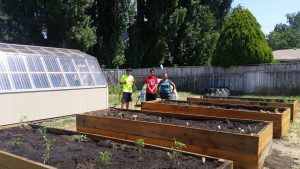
[[127, 82]]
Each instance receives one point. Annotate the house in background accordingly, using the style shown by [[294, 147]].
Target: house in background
[[287, 55]]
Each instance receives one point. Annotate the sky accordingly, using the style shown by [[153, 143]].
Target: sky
[[269, 12]]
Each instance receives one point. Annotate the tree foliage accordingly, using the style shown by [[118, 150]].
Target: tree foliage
[[242, 42], [51, 23], [120, 32], [286, 36]]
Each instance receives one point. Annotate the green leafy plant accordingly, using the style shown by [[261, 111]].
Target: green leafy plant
[[48, 149], [80, 138], [104, 158], [174, 154], [276, 110], [139, 143], [48, 144], [16, 142]]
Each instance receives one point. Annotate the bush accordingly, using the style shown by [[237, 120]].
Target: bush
[[241, 42]]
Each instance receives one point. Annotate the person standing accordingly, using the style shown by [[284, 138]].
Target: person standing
[[151, 82], [127, 82], [166, 87]]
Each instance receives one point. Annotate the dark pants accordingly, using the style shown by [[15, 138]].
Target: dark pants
[[150, 96], [166, 96], [126, 97]]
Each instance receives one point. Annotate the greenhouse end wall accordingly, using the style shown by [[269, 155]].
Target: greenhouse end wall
[[48, 104]]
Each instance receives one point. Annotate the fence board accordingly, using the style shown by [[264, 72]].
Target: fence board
[[244, 79]]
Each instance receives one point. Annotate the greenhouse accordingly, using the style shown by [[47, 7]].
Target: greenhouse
[[42, 82]]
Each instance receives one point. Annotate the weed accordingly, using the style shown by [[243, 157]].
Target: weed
[[294, 125], [104, 158], [16, 142], [174, 154], [139, 143], [80, 138]]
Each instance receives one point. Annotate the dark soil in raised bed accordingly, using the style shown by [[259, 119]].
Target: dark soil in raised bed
[[225, 106], [244, 127], [253, 99], [68, 153]]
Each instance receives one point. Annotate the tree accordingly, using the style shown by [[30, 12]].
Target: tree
[[196, 38], [241, 42], [112, 19], [54, 23], [286, 36]]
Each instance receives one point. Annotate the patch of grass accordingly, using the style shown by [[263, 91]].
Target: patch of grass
[[63, 123]]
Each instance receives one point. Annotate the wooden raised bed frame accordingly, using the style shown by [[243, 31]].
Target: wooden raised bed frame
[[246, 151], [250, 101], [281, 122], [11, 161]]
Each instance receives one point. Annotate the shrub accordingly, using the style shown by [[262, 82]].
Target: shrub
[[242, 42]]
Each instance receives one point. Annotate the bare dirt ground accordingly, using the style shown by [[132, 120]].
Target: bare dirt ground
[[286, 151]]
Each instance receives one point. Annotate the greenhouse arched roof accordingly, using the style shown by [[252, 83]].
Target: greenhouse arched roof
[[37, 68]]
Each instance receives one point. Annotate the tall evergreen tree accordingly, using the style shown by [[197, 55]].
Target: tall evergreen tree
[[197, 37], [242, 42]]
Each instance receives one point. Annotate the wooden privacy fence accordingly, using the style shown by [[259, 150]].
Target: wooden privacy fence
[[244, 79]]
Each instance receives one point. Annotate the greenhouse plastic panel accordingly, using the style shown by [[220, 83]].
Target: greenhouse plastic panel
[[47, 69]]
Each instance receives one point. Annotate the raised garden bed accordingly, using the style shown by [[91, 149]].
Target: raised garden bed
[[278, 103], [279, 116], [245, 142], [67, 152]]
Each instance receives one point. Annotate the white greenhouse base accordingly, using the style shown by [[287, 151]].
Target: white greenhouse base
[[49, 104]]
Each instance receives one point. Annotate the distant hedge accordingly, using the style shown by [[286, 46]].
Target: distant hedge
[[241, 42]]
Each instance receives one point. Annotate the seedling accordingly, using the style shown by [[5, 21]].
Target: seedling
[[241, 130], [120, 115], [203, 160], [174, 154], [104, 158], [139, 143], [80, 138], [276, 110], [48, 149], [22, 120], [42, 130], [134, 116], [48, 144], [16, 142], [262, 111]]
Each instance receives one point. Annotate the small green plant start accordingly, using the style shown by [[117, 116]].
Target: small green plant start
[[80, 138], [48, 144], [16, 142], [104, 158], [139, 143], [174, 154]]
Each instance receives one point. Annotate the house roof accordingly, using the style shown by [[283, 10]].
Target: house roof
[[287, 55]]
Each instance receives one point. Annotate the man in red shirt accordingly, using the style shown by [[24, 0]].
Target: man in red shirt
[[151, 82]]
